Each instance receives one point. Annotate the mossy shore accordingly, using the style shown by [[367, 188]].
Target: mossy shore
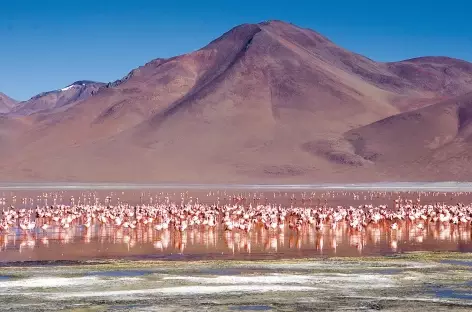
[[417, 281]]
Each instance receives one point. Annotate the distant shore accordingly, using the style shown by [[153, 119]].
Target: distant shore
[[380, 186]]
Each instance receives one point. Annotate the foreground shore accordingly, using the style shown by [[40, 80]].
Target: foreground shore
[[435, 281]]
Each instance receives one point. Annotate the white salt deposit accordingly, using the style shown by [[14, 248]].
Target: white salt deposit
[[187, 290], [50, 282], [334, 280], [265, 279], [374, 280]]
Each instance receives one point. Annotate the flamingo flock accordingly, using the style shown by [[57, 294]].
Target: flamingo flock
[[239, 215], [242, 221]]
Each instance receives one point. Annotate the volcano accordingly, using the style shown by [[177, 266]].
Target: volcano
[[264, 103]]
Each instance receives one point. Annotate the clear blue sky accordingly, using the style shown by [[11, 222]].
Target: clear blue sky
[[46, 45]]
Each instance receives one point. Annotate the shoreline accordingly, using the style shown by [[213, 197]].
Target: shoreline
[[422, 256], [446, 186], [425, 281]]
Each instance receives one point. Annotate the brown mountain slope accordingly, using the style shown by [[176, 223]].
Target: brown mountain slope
[[6, 103], [264, 103], [57, 100], [431, 143]]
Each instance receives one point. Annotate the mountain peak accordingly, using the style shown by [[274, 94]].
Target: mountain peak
[[278, 101], [81, 83], [6, 103], [58, 99], [275, 22], [3, 95]]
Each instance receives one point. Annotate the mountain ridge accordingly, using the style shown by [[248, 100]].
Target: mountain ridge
[[264, 103], [50, 101], [6, 103]]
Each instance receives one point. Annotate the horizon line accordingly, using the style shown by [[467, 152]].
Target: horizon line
[[379, 186]]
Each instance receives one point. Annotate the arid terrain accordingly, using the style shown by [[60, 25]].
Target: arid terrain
[[264, 103]]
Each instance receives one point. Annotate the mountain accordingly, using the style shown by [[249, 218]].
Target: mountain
[[264, 103], [53, 101], [6, 103], [431, 143]]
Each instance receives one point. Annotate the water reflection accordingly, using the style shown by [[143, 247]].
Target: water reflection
[[98, 241]]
